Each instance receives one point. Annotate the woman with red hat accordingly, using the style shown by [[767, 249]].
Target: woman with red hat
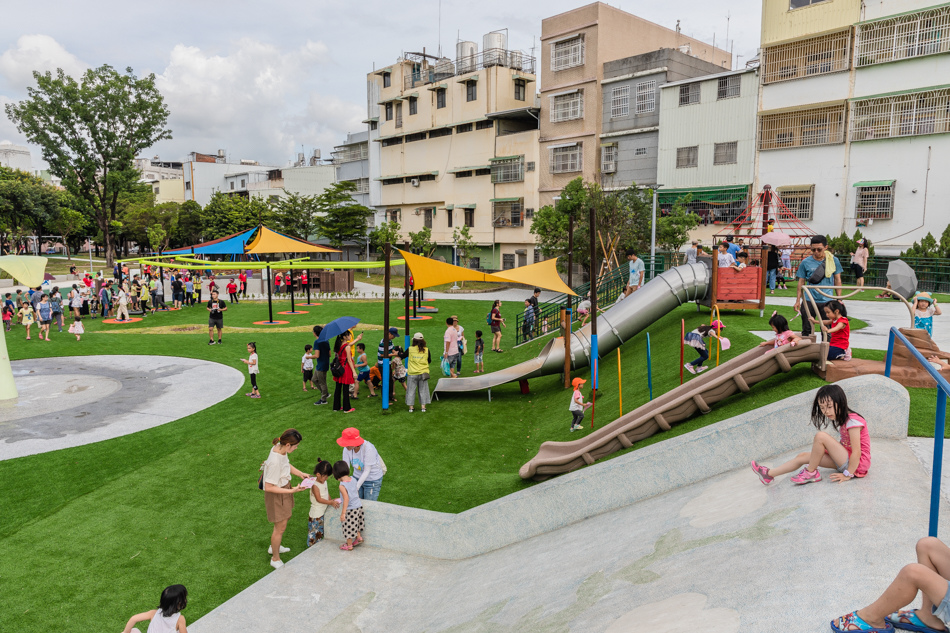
[[363, 458]]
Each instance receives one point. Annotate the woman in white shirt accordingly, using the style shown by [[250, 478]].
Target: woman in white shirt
[[278, 495]]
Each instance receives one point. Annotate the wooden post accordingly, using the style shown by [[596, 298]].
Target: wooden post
[[386, 280]]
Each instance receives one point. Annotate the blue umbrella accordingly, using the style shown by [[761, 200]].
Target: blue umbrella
[[336, 327]]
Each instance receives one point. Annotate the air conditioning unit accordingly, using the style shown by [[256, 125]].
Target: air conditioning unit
[[414, 182]]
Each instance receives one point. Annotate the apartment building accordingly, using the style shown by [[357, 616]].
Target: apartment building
[[351, 161], [458, 145], [629, 142], [854, 112], [707, 143], [575, 46], [205, 174]]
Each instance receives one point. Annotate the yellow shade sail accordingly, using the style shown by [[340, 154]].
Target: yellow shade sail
[[268, 241], [26, 269], [544, 275], [429, 272]]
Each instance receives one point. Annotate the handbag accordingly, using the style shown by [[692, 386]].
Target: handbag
[[336, 367], [425, 376], [260, 480], [382, 464]]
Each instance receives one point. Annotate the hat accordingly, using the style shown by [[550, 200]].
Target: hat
[[577, 382], [417, 336], [923, 296], [861, 241], [717, 325], [394, 331], [350, 437]]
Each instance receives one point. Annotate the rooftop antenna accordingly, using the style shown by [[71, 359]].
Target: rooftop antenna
[[677, 26], [533, 47], [728, 16], [440, 29]]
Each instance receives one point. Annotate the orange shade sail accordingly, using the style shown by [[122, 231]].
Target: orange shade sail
[[267, 241], [429, 272]]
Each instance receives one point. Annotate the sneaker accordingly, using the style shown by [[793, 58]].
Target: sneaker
[[689, 367], [700, 370], [351, 410], [319, 402], [763, 473], [210, 342], [410, 409], [283, 550], [219, 341], [277, 564], [805, 477]]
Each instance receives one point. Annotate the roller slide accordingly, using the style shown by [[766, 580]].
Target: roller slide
[[697, 395]]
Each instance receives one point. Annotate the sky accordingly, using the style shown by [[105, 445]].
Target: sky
[[265, 80]]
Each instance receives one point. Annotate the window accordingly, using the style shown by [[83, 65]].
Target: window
[[567, 107], [399, 114], [461, 129], [389, 111], [484, 125], [689, 94], [440, 98], [387, 80], [508, 170], [728, 87], [427, 218], [483, 172], [373, 125], [528, 214], [361, 185], [508, 261], [449, 213], [413, 106], [687, 156], [566, 159], [350, 153], [914, 114], [608, 159], [392, 181], [640, 151], [875, 203], [445, 131], [394, 215], [243, 183], [155, 190], [475, 263], [471, 90], [817, 126], [418, 136], [508, 213], [814, 56], [392, 141], [619, 102], [463, 174], [798, 200], [646, 96], [520, 86], [529, 166], [567, 53], [188, 186], [798, 4], [537, 255], [273, 199], [912, 35], [470, 217], [725, 153], [425, 177], [232, 185]]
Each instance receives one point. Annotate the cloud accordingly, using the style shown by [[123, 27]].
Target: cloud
[[40, 53]]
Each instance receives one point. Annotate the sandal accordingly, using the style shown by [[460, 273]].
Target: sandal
[[358, 541], [853, 622], [909, 621], [346, 547]]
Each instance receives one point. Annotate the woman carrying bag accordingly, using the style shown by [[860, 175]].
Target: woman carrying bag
[[344, 372], [418, 380]]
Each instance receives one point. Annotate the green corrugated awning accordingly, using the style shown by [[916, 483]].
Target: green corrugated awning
[[414, 95], [467, 79], [505, 158], [720, 195], [873, 183], [412, 175], [524, 77], [458, 169], [468, 205], [438, 86], [449, 207], [505, 200]]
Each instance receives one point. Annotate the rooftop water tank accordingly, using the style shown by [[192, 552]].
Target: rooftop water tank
[[465, 53], [444, 68], [516, 60], [495, 45]]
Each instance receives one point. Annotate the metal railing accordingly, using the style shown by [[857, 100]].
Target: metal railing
[[430, 73], [943, 389]]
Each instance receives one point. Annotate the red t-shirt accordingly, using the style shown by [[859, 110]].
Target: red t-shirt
[[278, 279], [232, 287], [242, 277], [303, 278], [842, 337]]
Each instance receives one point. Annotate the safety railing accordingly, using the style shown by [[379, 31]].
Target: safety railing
[[943, 389]]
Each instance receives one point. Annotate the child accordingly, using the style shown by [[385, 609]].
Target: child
[[830, 405], [352, 515], [578, 406], [253, 368], [743, 258], [527, 328], [583, 310], [7, 317], [695, 339], [839, 329], [319, 500], [77, 328], [167, 617], [375, 379], [26, 316], [783, 335], [782, 275], [925, 307], [306, 366], [479, 352], [362, 371]]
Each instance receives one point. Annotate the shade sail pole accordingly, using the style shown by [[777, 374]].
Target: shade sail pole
[[270, 307], [386, 280]]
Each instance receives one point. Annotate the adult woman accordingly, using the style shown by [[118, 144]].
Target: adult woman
[[278, 495], [363, 458], [418, 378], [56, 301], [341, 347], [859, 261], [75, 300], [496, 322], [772, 267]]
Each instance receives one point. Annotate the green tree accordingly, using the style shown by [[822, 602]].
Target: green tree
[[385, 232], [928, 247], [225, 215], [90, 131], [26, 205], [465, 244], [191, 223], [69, 223], [296, 215], [341, 218], [672, 231], [157, 238], [421, 243]]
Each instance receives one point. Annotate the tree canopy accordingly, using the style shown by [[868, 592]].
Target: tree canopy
[[26, 205], [341, 218]]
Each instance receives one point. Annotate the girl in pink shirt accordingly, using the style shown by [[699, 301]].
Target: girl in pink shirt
[[850, 455], [783, 334]]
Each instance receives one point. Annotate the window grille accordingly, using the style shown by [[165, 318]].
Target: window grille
[[394, 215], [728, 87], [440, 98], [413, 106], [815, 56], [689, 94], [566, 159], [361, 184], [608, 159], [529, 166], [507, 261], [798, 200], [445, 131], [568, 53], [620, 101], [471, 90], [818, 126], [350, 153], [640, 151], [567, 107], [511, 170], [725, 153], [425, 177], [483, 172], [427, 218], [528, 214], [687, 156], [464, 174], [484, 125], [508, 214], [392, 181], [537, 255], [922, 33], [470, 217], [392, 141], [913, 114], [418, 136], [465, 127], [875, 203], [646, 96]]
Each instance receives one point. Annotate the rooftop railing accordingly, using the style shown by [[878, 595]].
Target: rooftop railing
[[425, 73]]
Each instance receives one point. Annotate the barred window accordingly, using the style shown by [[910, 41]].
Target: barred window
[[687, 156], [567, 107], [418, 136], [484, 125], [470, 220], [818, 126], [875, 203], [471, 90], [394, 215], [798, 200], [815, 56], [689, 94], [508, 214], [443, 131], [440, 98], [465, 127], [619, 102], [350, 153], [725, 153], [507, 261], [640, 151], [728, 87], [392, 141], [798, 4], [566, 159], [646, 96], [427, 217], [361, 184], [509, 170], [913, 35], [567, 53], [608, 159], [413, 106], [913, 114]]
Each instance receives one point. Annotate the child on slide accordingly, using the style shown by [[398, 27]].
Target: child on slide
[[783, 335], [830, 405], [696, 339], [839, 329]]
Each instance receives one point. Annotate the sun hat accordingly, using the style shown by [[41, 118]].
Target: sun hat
[[577, 382], [350, 437], [923, 296], [417, 336], [717, 325], [394, 331]]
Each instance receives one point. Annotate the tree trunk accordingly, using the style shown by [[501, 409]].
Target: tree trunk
[[69, 256]]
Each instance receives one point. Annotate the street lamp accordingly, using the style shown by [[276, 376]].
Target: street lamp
[[653, 236], [455, 258]]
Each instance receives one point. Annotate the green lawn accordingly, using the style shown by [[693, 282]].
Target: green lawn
[[178, 503]]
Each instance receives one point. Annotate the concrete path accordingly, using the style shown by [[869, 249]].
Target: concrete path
[[75, 400]]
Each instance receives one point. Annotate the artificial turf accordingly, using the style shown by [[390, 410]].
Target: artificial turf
[[179, 503]]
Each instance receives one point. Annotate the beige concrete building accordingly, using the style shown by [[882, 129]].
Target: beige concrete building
[[459, 146], [168, 190], [574, 47]]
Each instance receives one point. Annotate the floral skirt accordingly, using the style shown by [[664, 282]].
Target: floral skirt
[[314, 531], [353, 524]]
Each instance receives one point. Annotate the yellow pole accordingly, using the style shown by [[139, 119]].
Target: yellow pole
[[619, 382], [717, 318]]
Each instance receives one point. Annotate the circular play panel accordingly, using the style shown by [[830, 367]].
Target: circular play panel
[[415, 318], [309, 304], [427, 310], [113, 321], [271, 322], [294, 312]]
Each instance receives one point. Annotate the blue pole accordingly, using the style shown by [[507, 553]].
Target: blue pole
[[939, 423], [890, 353], [595, 358], [649, 368], [385, 379]]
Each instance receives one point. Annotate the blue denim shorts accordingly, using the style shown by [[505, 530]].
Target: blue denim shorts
[[942, 610]]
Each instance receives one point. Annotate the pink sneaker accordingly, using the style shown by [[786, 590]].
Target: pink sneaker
[[763, 473], [806, 477]]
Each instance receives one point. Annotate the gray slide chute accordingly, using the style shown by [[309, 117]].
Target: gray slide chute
[[615, 326]]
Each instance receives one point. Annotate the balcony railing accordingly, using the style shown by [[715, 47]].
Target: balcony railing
[[425, 73]]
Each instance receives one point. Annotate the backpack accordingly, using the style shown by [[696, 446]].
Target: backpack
[[336, 367], [488, 318]]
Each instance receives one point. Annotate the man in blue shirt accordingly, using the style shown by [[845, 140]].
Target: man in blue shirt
[[321, 353], [732, 248], [805, 270]]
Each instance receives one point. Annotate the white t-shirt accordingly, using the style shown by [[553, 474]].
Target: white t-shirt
[[318, 509], [277, 469], [636, 267], [307, 362], [365, 462], [123, 298], [584, 305], [574, 406], [726, 260], [254, 368]]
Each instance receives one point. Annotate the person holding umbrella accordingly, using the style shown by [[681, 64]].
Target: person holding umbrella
[[344, 359]]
